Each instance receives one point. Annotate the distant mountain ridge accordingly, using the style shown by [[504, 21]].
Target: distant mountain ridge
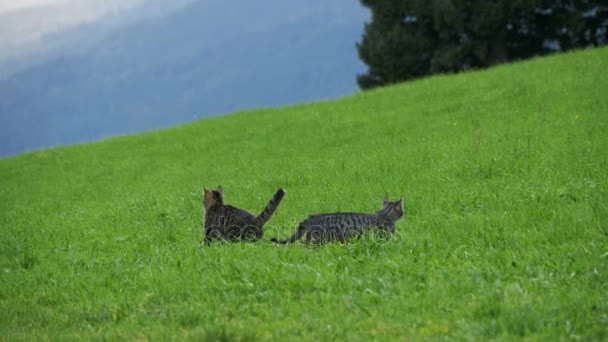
[[196, 62]]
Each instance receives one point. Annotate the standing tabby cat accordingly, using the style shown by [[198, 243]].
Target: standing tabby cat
[[226, 222], [341, 226]]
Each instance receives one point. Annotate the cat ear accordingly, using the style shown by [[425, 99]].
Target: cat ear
[[207, 199], [220, 191], [386, 201]]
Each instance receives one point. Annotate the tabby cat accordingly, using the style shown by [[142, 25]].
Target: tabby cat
[[225, 222], [322, 228]]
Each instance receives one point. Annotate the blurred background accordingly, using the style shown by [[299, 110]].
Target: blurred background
[[81, 70]]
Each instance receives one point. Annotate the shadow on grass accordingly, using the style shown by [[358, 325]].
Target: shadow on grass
[[223, 335]]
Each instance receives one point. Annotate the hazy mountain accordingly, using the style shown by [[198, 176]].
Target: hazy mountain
[[32, 31], [208, 58]]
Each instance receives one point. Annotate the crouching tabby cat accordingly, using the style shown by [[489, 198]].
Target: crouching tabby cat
[[342, 226], [225, 222]]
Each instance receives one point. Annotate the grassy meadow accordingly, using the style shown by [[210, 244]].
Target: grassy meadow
[[505, 175]]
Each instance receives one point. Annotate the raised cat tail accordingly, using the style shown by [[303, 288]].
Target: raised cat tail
[[295, 237], [270, 209]]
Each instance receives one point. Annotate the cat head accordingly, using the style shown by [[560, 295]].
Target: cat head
[[213, 197], [394, 210]]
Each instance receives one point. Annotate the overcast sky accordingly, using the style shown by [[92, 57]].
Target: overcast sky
[[24, 23]]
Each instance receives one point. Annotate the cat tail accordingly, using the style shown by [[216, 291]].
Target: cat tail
[[270, 209], [295, 237]]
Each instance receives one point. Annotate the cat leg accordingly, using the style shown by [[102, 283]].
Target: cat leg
[[341, 234], [212, 234], [314, 236], [251, 233], [352, 233], [308, 238]]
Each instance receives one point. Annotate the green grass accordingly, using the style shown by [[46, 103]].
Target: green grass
[[505, 173]]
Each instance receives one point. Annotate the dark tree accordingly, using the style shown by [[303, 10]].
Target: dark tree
[[408, 39]]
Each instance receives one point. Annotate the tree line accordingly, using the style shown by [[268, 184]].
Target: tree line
[[408, 39]]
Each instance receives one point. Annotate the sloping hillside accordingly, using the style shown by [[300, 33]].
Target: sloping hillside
[[503, 171]]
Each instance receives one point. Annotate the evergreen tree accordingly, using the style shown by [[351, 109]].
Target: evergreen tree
[[408, 39]]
